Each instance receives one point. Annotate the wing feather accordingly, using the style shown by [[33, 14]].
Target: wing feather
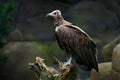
[[81, 46]]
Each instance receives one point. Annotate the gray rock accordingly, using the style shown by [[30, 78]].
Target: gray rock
[[104, 71], [116, 58], [114, 75], [107, 50], [21, 53]]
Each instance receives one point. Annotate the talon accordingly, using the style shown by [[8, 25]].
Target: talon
[[68, 62]]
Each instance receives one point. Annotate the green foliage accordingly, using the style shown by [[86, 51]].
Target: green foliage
[[49, 51], [6, 17]]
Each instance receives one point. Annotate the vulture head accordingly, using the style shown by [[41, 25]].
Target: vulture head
[[55, 14]]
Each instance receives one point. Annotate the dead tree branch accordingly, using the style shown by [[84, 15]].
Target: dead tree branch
[[44, 72]]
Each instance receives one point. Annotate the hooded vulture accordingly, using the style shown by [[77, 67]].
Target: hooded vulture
[[75, 42]]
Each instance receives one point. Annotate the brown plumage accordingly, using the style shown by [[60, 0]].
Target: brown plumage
[[75, 41]]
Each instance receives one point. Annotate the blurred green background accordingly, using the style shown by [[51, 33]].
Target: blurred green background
[[25, 32]]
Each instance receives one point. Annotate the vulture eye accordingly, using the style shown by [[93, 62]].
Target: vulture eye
[[54, 13]]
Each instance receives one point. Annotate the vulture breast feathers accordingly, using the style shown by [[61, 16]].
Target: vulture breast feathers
[[74, 40]]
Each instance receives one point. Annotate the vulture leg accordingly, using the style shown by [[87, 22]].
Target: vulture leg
[[69, 58], [69, 54]]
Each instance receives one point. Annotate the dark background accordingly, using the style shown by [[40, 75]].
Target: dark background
[[34, 34]]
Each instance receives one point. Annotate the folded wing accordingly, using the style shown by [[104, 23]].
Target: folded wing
[[79, 44]]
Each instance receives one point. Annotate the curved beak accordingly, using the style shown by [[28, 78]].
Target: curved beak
[[49, 14]]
